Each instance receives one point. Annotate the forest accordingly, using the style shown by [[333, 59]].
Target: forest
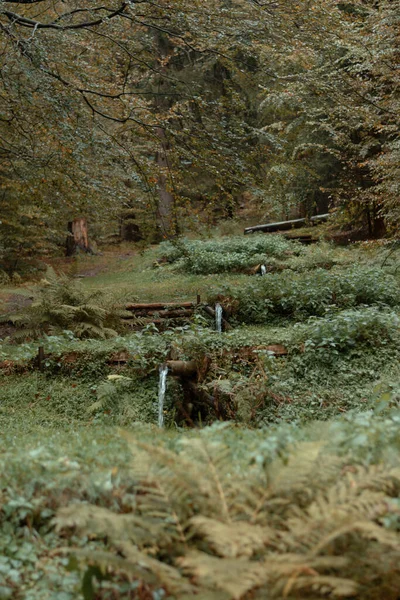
[[199, 299]]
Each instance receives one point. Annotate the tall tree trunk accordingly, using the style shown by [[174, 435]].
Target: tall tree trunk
[[166, 217], [166, 203]]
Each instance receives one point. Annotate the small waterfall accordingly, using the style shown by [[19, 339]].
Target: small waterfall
[[263, 270], [162, 386], [218, 318]]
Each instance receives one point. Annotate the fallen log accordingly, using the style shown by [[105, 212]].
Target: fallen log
[[161, 314], [285, 225], [182, 368], [160, 306]]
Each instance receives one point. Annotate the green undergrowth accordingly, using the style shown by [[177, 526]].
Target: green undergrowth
[[300, 295], [228, 254], [98, 513], [292, 492], [245, 254], [140, 278], [255, 374]]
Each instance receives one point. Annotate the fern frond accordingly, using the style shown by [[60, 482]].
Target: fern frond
[[232, 540], [101, 522], [234, 576], [137, 565], [169, 577], [218, 462], [365, 529]]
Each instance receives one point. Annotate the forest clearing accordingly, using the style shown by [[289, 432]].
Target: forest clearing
[[278, 447], [199, 300]]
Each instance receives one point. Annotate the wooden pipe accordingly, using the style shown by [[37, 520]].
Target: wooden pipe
[[182, 368]]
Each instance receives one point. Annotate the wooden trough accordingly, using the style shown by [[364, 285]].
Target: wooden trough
[[287, 225]]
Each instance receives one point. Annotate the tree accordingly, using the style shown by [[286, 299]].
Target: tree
[[343, 118], [151, 102]]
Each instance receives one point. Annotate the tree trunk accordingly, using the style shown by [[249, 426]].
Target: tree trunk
[[78, 237], [166, 217], [165, 212]]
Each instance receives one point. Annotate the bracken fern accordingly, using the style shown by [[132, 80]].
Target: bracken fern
[[310, 526]]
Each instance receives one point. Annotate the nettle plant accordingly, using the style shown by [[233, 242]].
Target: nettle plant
[[228, 254], [340, 332], [301, 295]]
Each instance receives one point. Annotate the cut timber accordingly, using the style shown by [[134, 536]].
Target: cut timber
[[201, 395], [162, 314], [160, 306], [285, 225], [182, 368]]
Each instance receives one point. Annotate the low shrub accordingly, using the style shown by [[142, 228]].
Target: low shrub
[[227, 254], [339, 332], [300, 295]]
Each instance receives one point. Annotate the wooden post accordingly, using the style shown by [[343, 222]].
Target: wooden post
[[40, 358]]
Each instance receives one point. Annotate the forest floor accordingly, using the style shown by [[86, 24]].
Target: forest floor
[[61, 426]]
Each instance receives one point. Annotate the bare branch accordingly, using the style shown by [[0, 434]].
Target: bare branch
[[30, 23]]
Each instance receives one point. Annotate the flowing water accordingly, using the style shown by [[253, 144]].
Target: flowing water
[[162, 386], [263, 270], [218, 318]]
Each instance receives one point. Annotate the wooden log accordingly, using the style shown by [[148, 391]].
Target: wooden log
[[159, 305], [181, 368], [161, 314], [210, 311], [285, 225]]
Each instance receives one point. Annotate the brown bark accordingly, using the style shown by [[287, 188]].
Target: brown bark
[[165, 211], [78, 237], [162, 314], [182, 368], [159, 305]]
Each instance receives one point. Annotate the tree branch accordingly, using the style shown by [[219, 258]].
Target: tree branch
[[22, 1], [30, 23]]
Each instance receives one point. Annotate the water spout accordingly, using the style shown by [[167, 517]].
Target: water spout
[[218, 318], [263, 270], [162, 386]]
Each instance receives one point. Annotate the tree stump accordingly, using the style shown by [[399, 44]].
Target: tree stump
[[77, 238]]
